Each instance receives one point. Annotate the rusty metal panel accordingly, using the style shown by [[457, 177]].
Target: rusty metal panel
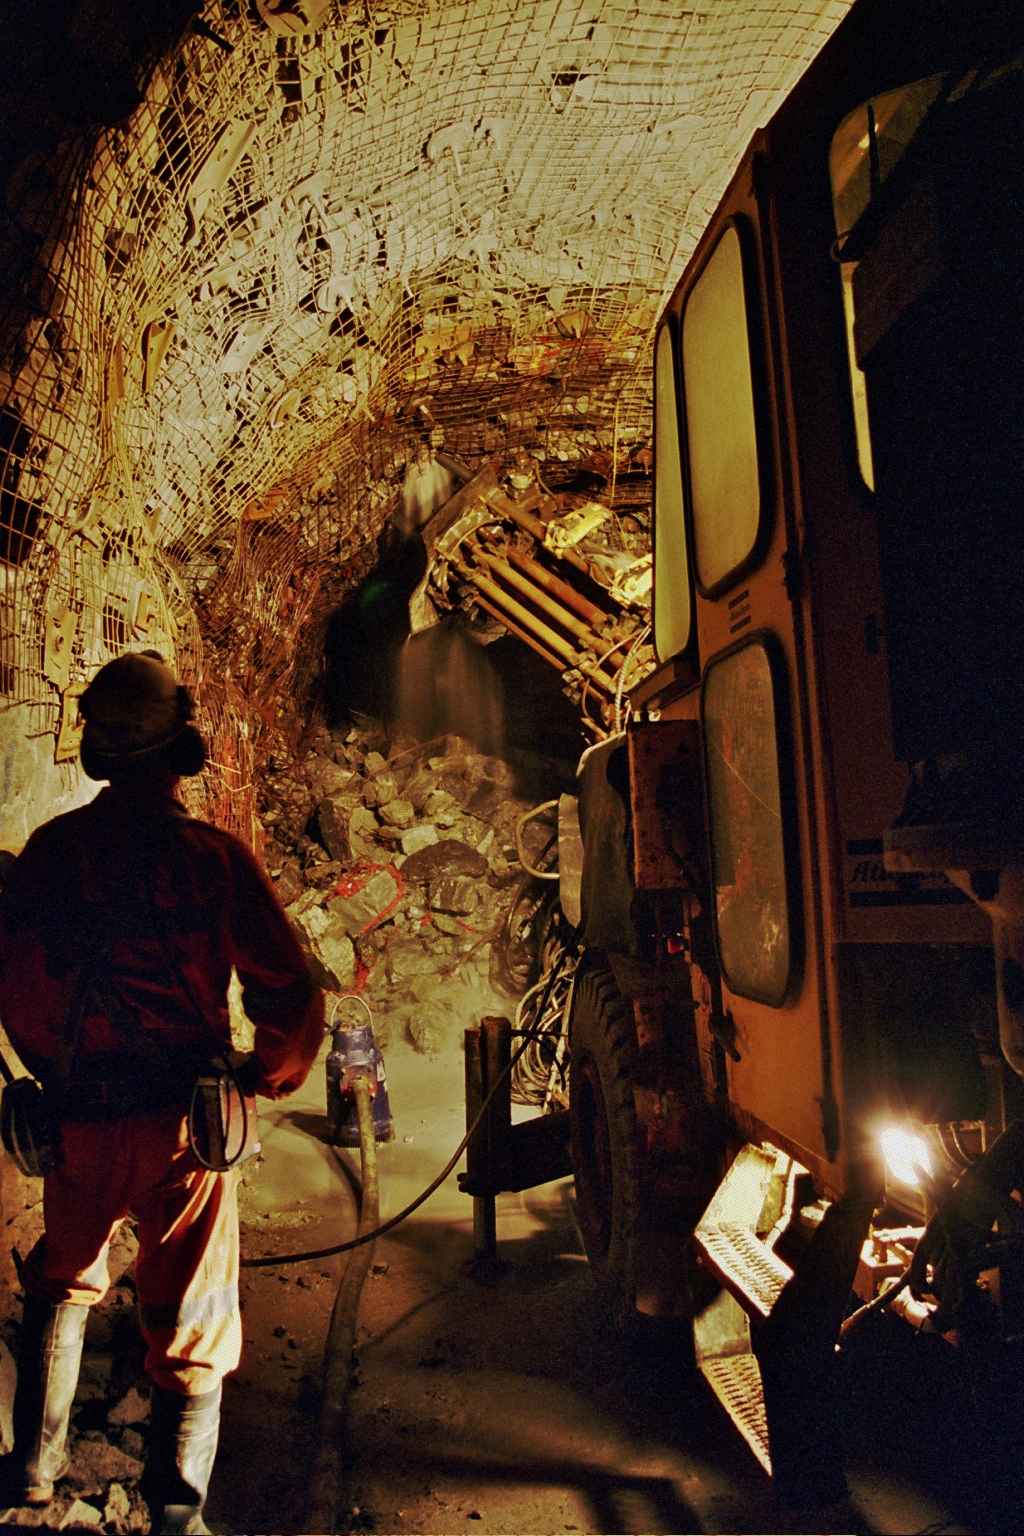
[[570, 858], [666, 801]]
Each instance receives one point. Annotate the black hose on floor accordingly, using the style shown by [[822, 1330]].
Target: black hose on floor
[[272, 1260], [341, 1335]]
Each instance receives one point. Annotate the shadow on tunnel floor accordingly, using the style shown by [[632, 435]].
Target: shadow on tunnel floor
[[494, 1403], [508, 1396]]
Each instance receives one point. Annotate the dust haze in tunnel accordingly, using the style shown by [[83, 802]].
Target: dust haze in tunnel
[[250, 260]]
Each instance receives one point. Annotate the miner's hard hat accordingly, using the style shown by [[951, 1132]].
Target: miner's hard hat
[[137, 718]]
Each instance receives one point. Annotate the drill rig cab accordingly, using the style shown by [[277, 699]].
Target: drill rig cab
[[788, 1035]]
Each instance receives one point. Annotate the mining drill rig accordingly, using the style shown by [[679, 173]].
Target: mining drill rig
[[564, 574], [795, 864]]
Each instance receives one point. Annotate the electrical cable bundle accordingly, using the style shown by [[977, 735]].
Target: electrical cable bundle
[[515, 952], [542, 1017]]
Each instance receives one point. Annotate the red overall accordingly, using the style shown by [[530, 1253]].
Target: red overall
[[192, 905]]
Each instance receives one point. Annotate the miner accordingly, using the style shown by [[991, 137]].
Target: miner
[[119, 926]]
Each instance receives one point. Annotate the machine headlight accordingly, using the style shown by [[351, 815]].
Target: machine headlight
[[908, 1157]]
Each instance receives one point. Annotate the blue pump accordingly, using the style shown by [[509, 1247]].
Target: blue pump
[[354, 1053]]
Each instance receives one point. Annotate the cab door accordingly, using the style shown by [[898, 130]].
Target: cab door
[[743, 538]]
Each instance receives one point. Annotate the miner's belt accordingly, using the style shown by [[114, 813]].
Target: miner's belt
[[113, 1098]]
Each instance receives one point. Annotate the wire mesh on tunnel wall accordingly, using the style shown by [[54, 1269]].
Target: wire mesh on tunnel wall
[[326, 230]]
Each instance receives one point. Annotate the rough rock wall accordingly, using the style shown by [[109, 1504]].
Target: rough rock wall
[[325, 230]]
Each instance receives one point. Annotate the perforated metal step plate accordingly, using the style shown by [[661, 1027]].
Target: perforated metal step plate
[[748, 1270], [736, 1382]]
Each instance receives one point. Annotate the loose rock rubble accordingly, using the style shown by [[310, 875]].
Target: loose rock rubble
[[396, 863], [106, 1440]]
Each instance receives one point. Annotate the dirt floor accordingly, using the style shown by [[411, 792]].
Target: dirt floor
[[480, 1402]]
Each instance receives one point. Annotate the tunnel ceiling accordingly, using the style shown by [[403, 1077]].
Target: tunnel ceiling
[[325, 229]]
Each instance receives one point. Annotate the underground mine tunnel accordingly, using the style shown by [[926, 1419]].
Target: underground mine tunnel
[[330, 341]]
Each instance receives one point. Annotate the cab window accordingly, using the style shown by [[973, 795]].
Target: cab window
[[867, 145], [741, 718], [672, 615], [721, 426]]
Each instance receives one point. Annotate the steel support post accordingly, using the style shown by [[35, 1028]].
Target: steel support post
[[488, 1050]]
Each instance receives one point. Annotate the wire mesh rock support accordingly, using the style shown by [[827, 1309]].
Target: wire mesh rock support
[[242, 284]]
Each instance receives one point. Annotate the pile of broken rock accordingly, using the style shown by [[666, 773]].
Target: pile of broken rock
[[396, 863]]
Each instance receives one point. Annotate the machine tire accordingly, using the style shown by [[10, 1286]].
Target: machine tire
[[605, 1156]]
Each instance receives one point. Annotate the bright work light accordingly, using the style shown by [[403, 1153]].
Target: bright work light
[[908, 1157]]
